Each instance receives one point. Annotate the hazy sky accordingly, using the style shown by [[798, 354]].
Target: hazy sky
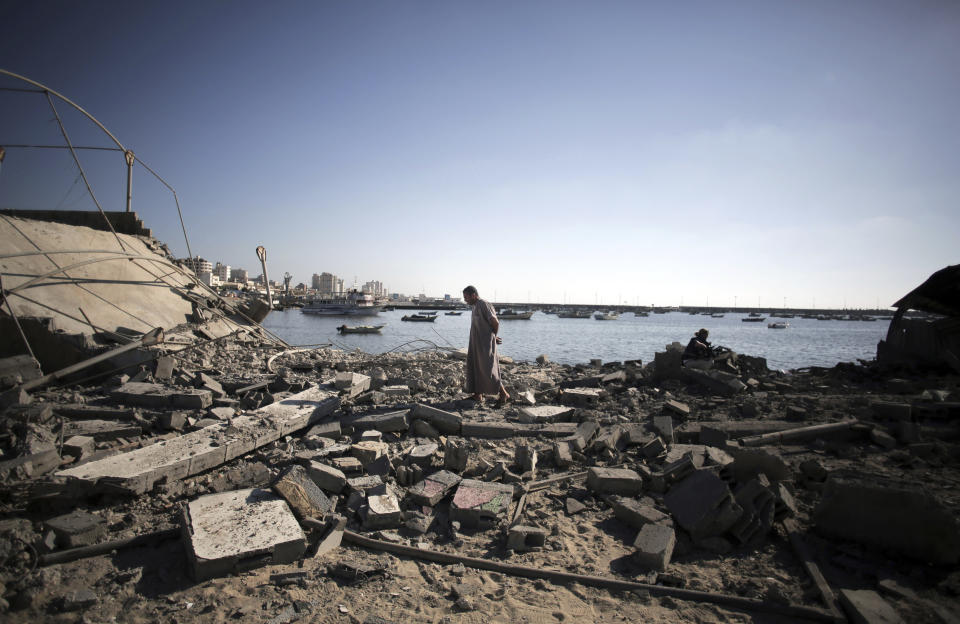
[[665, 153]]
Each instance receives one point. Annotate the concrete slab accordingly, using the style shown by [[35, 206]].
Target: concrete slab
[[488, 430], [352, 383], [479, 503], [327, 477], [445, 422], [385, 423], [865, 606], [636, 514], [158, 396], [232, 531], [137, 471], [582, 397], [703, 504]]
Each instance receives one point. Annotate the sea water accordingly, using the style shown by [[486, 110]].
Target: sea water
[[806, 342]]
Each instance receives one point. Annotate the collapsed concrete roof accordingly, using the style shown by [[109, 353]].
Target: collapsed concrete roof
[[940, 294], [73, 289]]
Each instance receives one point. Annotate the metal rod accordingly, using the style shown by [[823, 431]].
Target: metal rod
[[77, 147], [128, 155], [736, 602], [800, 433]]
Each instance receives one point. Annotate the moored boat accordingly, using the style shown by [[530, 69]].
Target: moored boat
[[753, 319], [420, 318], [352, 303], [778, 325], [514, 315], [606, 316], [360, 329]]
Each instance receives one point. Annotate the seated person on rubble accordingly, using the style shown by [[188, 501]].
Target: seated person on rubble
[[699, 353]]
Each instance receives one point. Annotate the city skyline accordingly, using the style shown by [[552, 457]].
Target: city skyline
[[554, 152]]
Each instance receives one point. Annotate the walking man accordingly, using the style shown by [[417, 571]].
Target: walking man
[[483, 367]]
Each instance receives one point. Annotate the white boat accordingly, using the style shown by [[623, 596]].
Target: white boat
[[606, 316], [573, 314], [352, 303]]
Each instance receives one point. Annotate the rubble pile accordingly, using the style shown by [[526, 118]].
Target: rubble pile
[[241, 479]]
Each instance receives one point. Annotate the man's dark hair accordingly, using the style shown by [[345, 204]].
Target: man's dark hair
[[470, 290]]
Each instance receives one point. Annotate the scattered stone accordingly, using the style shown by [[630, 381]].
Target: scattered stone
[[78, 446], [383, 512], [303, 495], [327, 477], [614, 481], [433, 488], [703, 505], [455, 455], [77, 528], [637, 514], [444, 422], [78, 600], [573, 506], [422, 455], [479, 503], [677, 407], [654, 546], [865, 606], [523, 538]]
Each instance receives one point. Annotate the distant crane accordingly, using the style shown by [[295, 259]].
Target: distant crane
[[286, 284]]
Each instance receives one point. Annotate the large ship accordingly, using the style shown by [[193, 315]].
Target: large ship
[[352, 303]]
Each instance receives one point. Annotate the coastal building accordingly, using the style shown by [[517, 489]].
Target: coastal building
[[374, 288], [327, 284], [198, 265], [222, 271], [239, 276]]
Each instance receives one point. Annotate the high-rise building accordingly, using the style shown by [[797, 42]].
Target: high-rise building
[[374, 288], [198, 265], [328, 284]]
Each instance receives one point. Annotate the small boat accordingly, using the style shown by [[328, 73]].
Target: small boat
[[360, 329], [388, 309], [606, 316], [778, 325], [514, 315], [420, 318], [573, 314], [718, 315], [641, 314], [452, 313], [753, 319]]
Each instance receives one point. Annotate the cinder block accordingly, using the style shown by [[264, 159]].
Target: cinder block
[[352, 383], [232, 531], [392, 421], [369, 484], [582, 397], [327, 477], [303, 495], [368, 452], [654, 546], [562, 456], [78, 446], [479, 503], [614, 481], [383, 512], [433, 488], [584, 435], [422, 455]]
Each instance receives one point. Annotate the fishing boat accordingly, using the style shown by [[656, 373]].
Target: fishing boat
[[606, 316], [352, 303], [778, 325], [573, 314], [753, 319], [360, 329], [514, 315], [453, 313], [420, 318], [717, 315], [641, 314]]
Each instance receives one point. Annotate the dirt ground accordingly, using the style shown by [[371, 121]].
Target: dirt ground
[[152, 583]]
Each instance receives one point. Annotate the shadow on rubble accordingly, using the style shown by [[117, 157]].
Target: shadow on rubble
[[164, 567]]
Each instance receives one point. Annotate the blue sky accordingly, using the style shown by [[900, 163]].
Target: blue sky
[[584, 152]]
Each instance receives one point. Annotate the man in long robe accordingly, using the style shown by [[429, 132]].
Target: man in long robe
[[483, 367]]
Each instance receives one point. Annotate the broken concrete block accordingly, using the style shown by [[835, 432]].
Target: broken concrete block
[[889, 410], [748, 463], [368, 484], [422, 455], [682, 409], [526, 458], [758, 504], [136, 471], [654, 546], [383, 512], [813, 470], [444, 422], [396, 391], [562, 456], [371, 435], [455, 455], [164, 367], [882, 438], [327, 477], [479, 503], [304, 496], [663, 425], [159, 397], [385, 423], [17, 369], [433, 488], [348, 465], [352, 383], [908, 521], [703, 505], [30, 466], [368, 452], [582, 397], [864, 606], [78, 600], [614, 481], [424, 429], [636, 514], [522, 538], [77, 528], [584, 435], [206, 382], [100, 430], [608, 439], [78, 446], [654, 448], [488, 430], [235, 530], [545, 414]]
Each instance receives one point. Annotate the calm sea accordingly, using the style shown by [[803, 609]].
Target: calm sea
[[806, 342]]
